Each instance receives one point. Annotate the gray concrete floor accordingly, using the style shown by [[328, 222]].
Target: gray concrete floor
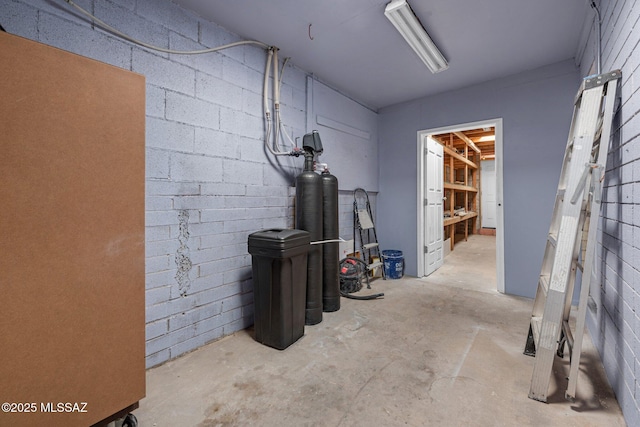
[[441, 351]]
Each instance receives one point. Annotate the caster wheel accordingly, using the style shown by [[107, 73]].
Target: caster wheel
[[130, 421]]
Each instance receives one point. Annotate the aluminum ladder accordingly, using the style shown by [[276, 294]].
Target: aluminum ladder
[[363, 223], [572, 235]]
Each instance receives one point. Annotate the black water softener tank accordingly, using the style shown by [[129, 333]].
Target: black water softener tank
[[309, 218], [330, 250]]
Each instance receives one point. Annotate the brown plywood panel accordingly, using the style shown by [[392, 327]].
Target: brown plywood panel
[[71, 235]]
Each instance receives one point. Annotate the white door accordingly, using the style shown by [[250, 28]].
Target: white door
[[488, 193], [433, 221]]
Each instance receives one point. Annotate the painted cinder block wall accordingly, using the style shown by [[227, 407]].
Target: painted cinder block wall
[[613, 316], [209, 180]]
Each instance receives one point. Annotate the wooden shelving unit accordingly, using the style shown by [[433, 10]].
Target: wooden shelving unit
[[461, 183]]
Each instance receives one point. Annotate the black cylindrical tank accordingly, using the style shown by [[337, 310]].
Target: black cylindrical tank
[[330, 251], [309, 218]]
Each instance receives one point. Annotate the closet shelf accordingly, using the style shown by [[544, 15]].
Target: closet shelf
[[460, 187]]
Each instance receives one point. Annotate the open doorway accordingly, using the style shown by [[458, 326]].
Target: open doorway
[[471, 203]]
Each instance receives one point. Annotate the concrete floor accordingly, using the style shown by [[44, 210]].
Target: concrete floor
[[441, 351]]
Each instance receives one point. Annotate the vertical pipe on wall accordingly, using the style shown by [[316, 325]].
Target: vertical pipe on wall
[[598, 21], [276, 100]]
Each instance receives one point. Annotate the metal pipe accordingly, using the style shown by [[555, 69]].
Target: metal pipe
[[598, 40], [111, 29], [272, 56], [265, 99], [276, 101]]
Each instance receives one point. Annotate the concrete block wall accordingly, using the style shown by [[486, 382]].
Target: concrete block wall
[[614, 314], [209, 180]]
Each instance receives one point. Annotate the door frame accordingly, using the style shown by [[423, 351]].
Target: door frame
[[497, 123]]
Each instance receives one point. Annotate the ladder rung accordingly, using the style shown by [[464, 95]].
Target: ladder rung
[[553, 239], [364, 219], [374, 265], [536, 325], [370, 245], [580, 266]]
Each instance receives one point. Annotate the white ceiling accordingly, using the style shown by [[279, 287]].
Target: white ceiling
[[357, 50]]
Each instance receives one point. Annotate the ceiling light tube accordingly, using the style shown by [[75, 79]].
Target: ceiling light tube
[[406, 22]]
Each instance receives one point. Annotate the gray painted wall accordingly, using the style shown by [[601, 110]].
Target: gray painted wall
[[613, 317], [209, 180], [536, 108]]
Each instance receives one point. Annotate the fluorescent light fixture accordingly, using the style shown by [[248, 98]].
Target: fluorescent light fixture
[[406, 22]]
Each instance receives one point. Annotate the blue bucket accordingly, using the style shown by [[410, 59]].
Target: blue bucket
[[393, 264]]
